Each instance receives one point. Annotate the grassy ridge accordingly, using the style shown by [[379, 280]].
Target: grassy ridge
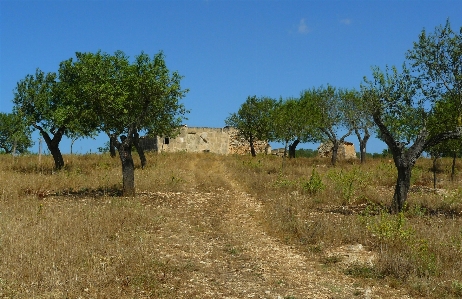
[[70, 233]]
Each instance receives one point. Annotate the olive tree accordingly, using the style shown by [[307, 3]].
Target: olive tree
[[44, 101], [253, 120], [359, 118], [327, 111], [291, 123], [444, 117], [407, 105], [15, 134], [130, 97]]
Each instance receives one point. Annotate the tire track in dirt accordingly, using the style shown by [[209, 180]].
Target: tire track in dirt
[[236, 258], [282, 271]]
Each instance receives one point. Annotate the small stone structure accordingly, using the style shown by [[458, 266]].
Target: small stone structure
[[279, 152], [202, 139], [346, 150]]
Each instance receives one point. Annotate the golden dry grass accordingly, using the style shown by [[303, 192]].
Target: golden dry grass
[[69, 234]]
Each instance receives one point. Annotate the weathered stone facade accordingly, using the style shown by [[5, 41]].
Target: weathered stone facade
[[345, 150], [202, 139]]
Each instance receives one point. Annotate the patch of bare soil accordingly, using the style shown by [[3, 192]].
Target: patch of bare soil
[[220, 236]]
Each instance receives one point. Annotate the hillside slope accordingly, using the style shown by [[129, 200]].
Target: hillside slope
[[193, 231]]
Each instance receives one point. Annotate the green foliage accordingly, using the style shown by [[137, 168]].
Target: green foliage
[[362, 271], [284, 182], [445, 116], [410, 106], [46, 103], [388, 227], [314, 185], [347, 182], [34, 98], [15, 134], [253, 119], [142, 93], [306, 153], [127, 98], [423, 257], [392, 98], [456, 288], [393, 231], [291, 121], [357, 114], [328, 114], [436, 59]]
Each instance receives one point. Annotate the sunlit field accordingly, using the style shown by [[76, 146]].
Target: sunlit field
[[70, 234]]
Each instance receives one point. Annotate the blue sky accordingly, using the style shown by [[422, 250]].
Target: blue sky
[[226, 50]]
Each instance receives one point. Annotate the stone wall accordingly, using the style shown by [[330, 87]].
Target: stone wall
[[202, 139], [240, 146], [345, 150]]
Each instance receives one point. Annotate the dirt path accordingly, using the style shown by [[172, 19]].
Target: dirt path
[[220, 233]]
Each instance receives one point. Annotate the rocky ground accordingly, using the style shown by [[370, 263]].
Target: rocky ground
[[222, 236]]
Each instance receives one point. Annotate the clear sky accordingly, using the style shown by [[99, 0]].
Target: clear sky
[[226, 50]]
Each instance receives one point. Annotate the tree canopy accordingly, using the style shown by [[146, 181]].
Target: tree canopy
[[15, 134], [327, 111], [291, 123], [129, 98], [408, 106], [358, 118], [43, 99], [253, 120]]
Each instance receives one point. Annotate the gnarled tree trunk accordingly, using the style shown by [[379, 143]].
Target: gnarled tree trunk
[[335, 146], [128, 170], [53, 145], [252, 147], [292, 148], [124, 147], [362, 144], [139, 149], [403, 183]]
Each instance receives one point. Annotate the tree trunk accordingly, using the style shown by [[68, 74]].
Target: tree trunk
[[405, 158], [362, 153], [292, 148], [362, 143], [335, 146], [139, 149], [57, 156], [362, 148], [403, 183], [53, 145], [128, 169], [112, 145], [252, 147]]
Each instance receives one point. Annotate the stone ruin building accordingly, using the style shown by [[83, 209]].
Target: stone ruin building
[[223, 141], [346, 150]]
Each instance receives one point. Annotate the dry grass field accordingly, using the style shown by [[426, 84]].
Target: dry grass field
[[209, 226]]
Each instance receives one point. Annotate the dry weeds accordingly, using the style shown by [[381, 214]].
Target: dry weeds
[[208, 226]]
